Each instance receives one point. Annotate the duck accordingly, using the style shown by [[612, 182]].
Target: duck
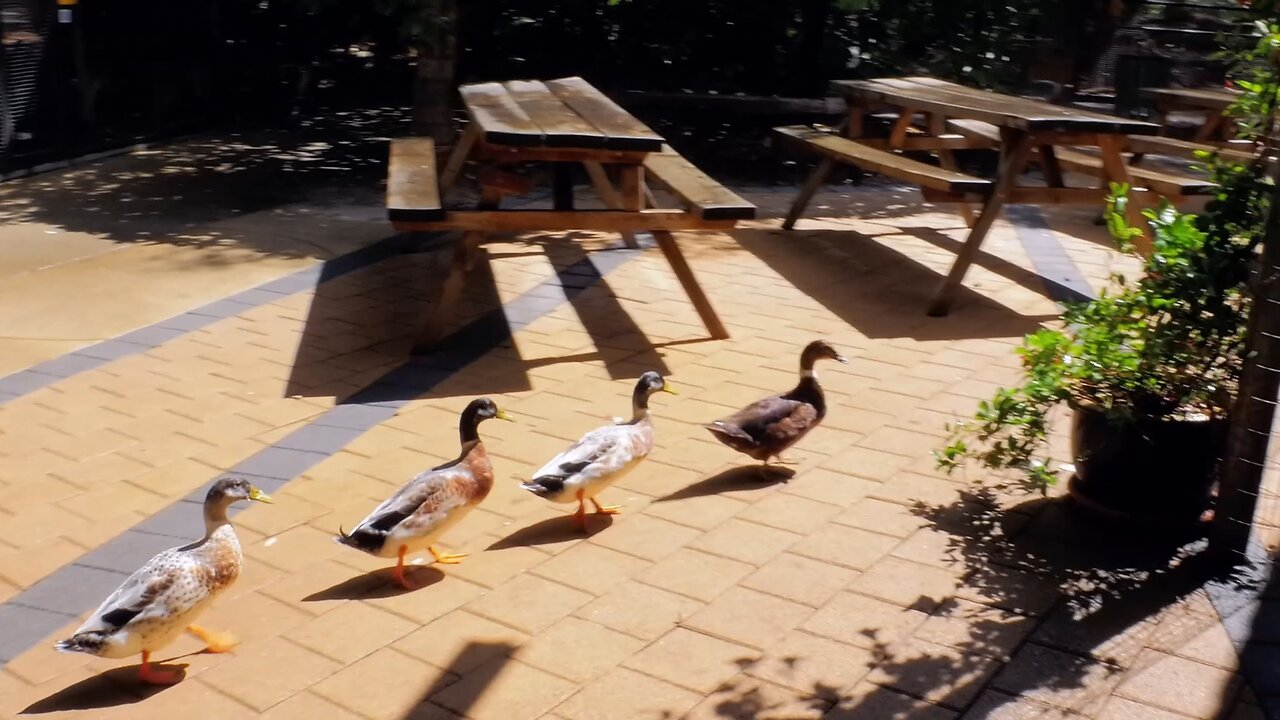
[[162, 599], [433, 501], [601, 457], [766, 428]]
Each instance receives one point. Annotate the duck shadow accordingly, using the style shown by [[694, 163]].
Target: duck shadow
[[113, 688], [378, 584], [743, 477], [553, 530]]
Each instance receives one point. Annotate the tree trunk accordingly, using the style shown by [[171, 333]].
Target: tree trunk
[[437, 64], [1254, 407]]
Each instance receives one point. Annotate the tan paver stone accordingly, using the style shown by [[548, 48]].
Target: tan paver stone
[[701, 512], [24, 567], [1178, 684], [658, 476], [882, 517], [695, 574], [748, 698], [906, 583], [386, 684], [812, 664], [426, 603], [639, 610], [1117, 708], [993, 705], [910, 489], [351, 631], [836, 487], [296, 547], [867, 701], [268, 672], [692, 660], [310, 587], [863, 621], [645, 536], [591, 568], [578, 650], [493, 568], [178, 701], [253, 616], [745, 541], [1057, 678], [936, 673], [933, 547], [789, 512], [529, 603], [801, 579], [460, 641], [308, 706], [748, 617], [1212, 647], [504, 689], [1009, 589], [624, 694], [845, 546], [976, 629]]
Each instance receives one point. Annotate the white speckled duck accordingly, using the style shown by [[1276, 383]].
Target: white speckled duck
[[162, 599]]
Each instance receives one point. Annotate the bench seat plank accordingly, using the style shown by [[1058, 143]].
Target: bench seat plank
[[412, 191], [500, 118], [885, 162], [1163, 183], [705, 197], [622, 131]]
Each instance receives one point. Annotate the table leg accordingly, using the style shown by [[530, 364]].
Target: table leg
[[631, 195], [432, 329], [667, 243], [457, 158], [810, 187], [562, 186], [1015, 148], [610, 195], [1115, 170], [1049, 165], [947, 160]]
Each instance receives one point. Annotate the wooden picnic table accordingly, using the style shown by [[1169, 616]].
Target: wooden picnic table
[[958, 117], [561, 122], [1213, 101]]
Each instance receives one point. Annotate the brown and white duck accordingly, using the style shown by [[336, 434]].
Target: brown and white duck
[[766, 428], [432, 502]]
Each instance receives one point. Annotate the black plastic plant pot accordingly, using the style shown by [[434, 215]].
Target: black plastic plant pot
[[1153, 471]]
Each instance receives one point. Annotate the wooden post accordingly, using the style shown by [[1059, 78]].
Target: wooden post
[[631, 195], [1254, 407]]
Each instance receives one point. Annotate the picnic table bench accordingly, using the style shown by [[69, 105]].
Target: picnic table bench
[[562, 122], [1212, 101], [958, 117]]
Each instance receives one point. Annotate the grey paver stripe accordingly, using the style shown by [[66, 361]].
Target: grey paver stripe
[[76, 588], [1062, 279], [152, 336]]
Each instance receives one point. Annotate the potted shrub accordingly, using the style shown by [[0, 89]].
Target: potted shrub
[[1149, 368]]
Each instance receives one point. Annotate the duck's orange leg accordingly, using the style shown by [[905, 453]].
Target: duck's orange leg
[[606, 509], [580, 516], [398, 573], [157, 676]]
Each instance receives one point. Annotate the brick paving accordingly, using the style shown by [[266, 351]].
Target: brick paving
[[865, 586]]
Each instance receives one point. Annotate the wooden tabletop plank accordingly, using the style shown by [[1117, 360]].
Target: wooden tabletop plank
[[499, 117], [622, 130], [1208, 98], [560, 124], [958, 101]]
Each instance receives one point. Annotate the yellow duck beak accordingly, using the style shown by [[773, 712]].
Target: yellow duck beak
[[258, 496], [503, 415], [666, 388]]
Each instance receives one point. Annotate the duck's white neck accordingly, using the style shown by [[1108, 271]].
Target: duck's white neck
[[809, 373], [215, 518]]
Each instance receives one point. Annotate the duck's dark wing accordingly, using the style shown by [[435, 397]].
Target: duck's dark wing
[[769, 420]]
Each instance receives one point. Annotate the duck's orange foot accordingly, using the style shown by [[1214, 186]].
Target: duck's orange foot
[[607, 509], [401, 579], [445, 558], [152, 675], [215, 642]]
